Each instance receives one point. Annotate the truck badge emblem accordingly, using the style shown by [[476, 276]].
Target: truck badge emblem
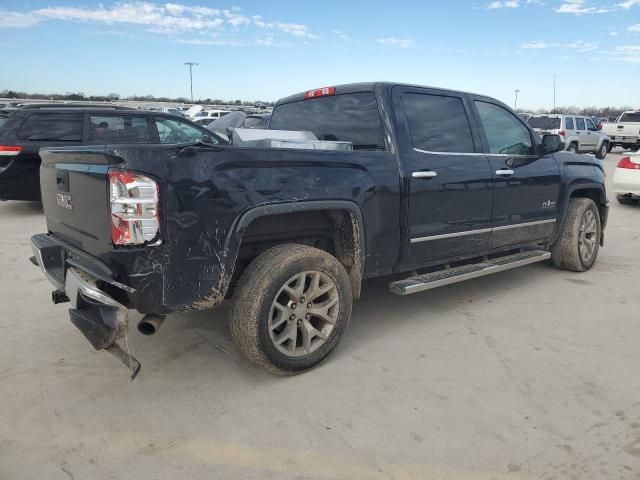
[[64, 201]]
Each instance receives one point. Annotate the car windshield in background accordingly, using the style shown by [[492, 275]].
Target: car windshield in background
[[544, 123], [346, 118], [632, 117]]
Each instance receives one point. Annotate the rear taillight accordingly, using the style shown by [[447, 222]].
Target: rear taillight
[[134, 208], [627, 163], [320, 92], [561, 133], [9, 151]]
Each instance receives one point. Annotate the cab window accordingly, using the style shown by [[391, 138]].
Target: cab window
[[437, 123], [506, 135], [118, 129], [569, 123], [580, 124]]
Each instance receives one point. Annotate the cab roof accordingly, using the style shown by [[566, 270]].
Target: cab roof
[[369, 87]]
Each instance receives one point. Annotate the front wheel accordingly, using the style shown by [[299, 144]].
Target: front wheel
[[578, 242], [290, 308], [602, 151]]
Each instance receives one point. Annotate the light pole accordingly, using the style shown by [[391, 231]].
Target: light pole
[[515, 105], [191, 65], [554, 93]]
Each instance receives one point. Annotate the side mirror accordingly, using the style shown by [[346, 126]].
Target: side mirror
[[551, 144]]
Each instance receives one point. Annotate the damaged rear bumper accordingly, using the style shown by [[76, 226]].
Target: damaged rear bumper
[[100, 318]]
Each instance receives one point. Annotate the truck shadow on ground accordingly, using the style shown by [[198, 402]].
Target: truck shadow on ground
[[379, 312]]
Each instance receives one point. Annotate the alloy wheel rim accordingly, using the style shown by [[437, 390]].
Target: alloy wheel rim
[[588, 239], [303, 313]]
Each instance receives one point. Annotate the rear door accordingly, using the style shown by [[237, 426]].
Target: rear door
[[450, 181], [569, 128], [45, 129], [581, 132], [526, 185]]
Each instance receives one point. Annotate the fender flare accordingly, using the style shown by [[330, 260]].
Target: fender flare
[[602, 206], [244, 220]]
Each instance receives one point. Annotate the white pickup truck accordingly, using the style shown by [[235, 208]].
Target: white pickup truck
[[625, 132]]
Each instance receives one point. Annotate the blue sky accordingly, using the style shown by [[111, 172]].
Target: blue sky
[[265, 50]]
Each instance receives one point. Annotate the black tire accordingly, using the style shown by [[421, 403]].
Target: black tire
[[259, 288], [626, 200], [634, 148], [603, 150], [610, 147], [566, 251], [573, 147]]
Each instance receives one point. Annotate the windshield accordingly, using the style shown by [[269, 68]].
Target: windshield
[[544, 123], [350, 118], [631, 117]]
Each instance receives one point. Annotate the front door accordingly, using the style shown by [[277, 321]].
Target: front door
[[526, 185], [449, 178]]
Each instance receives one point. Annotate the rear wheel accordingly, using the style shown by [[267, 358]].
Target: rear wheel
[[603, 150], [634, 148], [577, 246], [573, 148], [291, 306]]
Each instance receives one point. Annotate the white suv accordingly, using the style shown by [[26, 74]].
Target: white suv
[[579, 133]]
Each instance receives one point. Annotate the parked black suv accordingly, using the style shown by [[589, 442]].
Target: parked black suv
[[31, 128]]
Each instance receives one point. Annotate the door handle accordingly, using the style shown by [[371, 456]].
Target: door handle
[[424, 174], [504, 172]]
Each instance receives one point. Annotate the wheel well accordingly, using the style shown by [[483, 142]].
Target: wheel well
[[594, 194], [334, 231]]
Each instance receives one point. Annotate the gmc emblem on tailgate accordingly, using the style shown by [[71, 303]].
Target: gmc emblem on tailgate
[[64, 201]]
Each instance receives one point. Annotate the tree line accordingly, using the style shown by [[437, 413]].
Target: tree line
[[114, 97], [592, 111]]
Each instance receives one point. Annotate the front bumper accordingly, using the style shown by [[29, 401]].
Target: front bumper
[[101, 319]]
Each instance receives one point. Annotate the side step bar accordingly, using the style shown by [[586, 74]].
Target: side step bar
[[440, 278]]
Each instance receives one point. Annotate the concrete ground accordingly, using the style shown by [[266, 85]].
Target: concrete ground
[[529, 374]]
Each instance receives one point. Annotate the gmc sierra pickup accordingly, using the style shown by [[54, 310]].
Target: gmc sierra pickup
[[425, 185], [625, 132]]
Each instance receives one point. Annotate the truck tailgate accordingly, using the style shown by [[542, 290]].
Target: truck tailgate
[[75, 195]]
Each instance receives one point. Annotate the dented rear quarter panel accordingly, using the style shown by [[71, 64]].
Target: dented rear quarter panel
[[205, 191]]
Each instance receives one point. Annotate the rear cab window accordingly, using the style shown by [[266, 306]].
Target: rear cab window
[[118, 129], [56, 127], [350, 117], [580, 124], [630, 117]]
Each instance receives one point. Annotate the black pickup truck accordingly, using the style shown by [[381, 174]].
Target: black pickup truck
[[437, 186]]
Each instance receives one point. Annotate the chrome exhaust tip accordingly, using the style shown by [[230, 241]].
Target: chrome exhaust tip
[[150, 324]]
